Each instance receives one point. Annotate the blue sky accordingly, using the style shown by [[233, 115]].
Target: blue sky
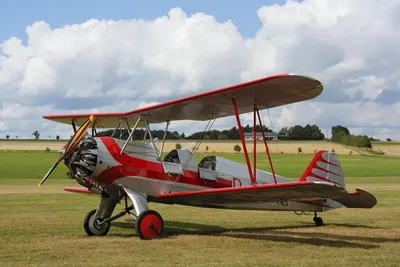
[[15, 15]]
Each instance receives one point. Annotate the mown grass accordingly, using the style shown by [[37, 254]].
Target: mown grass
[[43, 228], [46, 230]]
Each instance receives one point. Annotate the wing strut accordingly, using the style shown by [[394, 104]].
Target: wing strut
[[265, 143], [164, 137], [255, 143], [246, 155], [130, 137]]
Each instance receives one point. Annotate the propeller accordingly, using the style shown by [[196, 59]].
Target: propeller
[[69, 148]]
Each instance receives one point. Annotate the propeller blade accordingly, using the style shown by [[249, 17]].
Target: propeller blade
[[69, 147], [77, 137], [50, 171]]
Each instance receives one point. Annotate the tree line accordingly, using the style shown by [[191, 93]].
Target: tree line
[[139, 134], [341, 134], [298, 132]]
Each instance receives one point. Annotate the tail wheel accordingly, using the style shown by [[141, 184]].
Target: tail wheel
[[149, 224], [318, 221], [93, 226]]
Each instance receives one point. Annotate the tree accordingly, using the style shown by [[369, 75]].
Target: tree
[[247, 129], [337, 130], [388, 139], [36, 134], [297, 133], [299, 150], [316, 133], [283, 133], [57, 137], [237, 148], [341, 135], [364, 141], [222, 137], [7, 136], [308, 132]]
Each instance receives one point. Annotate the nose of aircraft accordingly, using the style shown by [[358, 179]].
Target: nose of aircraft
[[68, 152], [83, 162]]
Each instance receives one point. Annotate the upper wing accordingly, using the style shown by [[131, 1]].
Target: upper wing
[[268, 92], [258, 193]]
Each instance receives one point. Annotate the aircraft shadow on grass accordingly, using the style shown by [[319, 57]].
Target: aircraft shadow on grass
[[277, 234]]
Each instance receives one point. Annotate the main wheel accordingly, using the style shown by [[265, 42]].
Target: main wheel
[[93, 225], [149, 224], [318, 221]]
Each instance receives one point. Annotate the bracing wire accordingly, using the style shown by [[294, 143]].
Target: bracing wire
[[272, 127]]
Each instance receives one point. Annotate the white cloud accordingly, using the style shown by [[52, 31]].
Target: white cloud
[[351, 46], [369, 86]]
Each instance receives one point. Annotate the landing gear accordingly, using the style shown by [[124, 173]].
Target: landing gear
[[318, 220], [95, 226], [149, 224]]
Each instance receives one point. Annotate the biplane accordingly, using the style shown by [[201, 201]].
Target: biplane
[[128, 171]]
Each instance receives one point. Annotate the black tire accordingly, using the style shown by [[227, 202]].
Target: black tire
[[91, 227], [318, 221], [149, 225]]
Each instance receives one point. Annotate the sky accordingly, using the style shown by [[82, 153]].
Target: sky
[[94, 56]]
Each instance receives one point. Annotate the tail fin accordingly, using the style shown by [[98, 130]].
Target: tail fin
[[324, 167]]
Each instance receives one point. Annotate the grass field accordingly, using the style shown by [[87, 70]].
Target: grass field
[[375, 143], [43, 227], [389, 148]]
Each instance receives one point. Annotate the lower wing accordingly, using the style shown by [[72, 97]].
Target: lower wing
[[303, 190]]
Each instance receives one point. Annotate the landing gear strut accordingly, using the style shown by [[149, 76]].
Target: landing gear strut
[[318, 220]]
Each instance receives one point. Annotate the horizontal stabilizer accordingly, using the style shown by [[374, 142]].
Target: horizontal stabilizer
[[302, 190], [360, 199]]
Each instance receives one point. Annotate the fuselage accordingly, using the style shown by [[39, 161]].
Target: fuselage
[[140, 168]]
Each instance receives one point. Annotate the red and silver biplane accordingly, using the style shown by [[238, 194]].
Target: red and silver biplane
[[118, 169]]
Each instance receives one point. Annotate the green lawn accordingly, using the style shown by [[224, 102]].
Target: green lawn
[[34, 164], [43, 227]]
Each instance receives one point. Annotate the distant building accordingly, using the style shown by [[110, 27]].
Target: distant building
[[268, 136]]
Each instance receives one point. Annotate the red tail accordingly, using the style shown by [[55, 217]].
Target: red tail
[[324, 167]]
